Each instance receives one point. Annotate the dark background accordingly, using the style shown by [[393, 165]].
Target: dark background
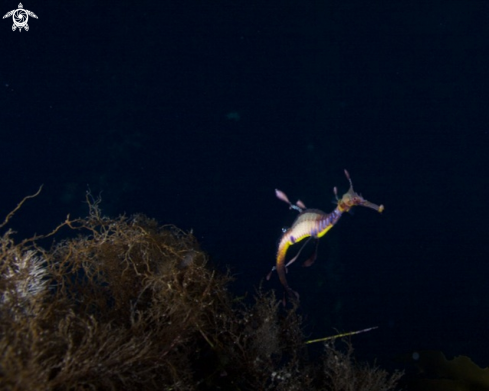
[[194, 112]]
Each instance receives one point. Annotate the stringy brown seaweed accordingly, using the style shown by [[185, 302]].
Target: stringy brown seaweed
[[126, 304]]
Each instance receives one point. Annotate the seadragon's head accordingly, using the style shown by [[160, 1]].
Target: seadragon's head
[[352, 198]]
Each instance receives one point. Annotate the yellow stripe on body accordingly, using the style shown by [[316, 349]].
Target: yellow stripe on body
[[307, 224]]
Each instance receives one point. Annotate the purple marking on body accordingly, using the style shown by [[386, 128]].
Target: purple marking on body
[[292, 239]]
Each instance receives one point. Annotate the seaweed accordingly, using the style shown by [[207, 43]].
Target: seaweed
[[436, 372], [127, 303]]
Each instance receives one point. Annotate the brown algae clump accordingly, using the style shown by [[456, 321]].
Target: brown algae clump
[[116, 306]]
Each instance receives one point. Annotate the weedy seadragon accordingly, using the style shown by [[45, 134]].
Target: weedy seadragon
[[313, 223]]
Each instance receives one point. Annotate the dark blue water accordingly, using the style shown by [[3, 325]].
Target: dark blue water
[[195, 115]]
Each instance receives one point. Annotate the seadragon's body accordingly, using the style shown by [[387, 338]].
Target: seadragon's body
[[313, 223]]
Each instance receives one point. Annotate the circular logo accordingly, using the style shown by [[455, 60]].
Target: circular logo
[[20, 17]]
